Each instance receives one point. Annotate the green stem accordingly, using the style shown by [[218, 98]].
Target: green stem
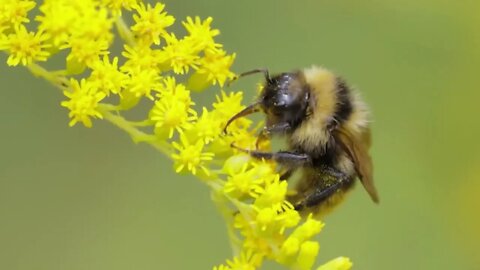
[[235, 242], [124, 31], [136, 134], [55, 78]]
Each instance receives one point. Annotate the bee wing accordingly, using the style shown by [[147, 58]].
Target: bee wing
[[357, 149]]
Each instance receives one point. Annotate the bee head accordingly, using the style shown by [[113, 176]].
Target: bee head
[[285, 98]]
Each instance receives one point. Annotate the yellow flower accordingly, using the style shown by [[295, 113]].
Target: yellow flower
[[106, 76], [242, 183], [171, 114], [289, 249], [83, 102], [340, 263], [297, 251], [201, 34], [243, 138], [14, 13], [85, 51], [95, 24], [142, 57], [308, 229], [117, 5], [265, 169], [79, 20], [181, 54], [246, 261], [278, 222], [235, 163], [171, 87], [307, 255], [191, 156], [150, 23], [57, 19], [222, 267], [290, 217], [214, 67], [273, 194], [207, 128], [227, 105], [25, 47], [266, 217], [143, 81]]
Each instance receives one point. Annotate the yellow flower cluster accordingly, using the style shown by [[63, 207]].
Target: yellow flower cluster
[[161, 69]]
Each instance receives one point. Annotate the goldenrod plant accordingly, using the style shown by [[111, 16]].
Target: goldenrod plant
[[161, 69]]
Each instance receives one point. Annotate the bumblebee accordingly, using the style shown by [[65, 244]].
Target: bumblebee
[[326, 125]]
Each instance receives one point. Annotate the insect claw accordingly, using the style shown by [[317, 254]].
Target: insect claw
[[231, 81]]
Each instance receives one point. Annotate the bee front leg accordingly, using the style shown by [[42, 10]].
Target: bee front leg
[[289, 159], [279, 128], [321, 193], [287, 174]]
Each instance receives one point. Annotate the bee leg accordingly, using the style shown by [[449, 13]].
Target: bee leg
[[279, 128], [287, 174], [290, 159], [322, 193]]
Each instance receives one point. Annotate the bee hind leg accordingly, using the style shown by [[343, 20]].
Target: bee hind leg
[[287, 174], [322, 193]]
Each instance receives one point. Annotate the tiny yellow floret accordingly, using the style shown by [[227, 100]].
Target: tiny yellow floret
[[308, 229], [117, 5], [207, 127], [106, 76], [14, 13], [340, 263], [85, 51], [83, 102], [25, 47], [273, 194], [142, 57], [201, 34], [171, 114], [246, 261], [227, 105], [307, 255], [143, 81], [57, 19], [150, 23], [191, 156], [181, 54], [215, 67], [242, 183]]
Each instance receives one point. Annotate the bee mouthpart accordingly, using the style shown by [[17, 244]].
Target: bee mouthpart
[[248, 110]]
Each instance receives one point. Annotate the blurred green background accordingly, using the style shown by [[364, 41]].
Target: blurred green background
[[77, 198]]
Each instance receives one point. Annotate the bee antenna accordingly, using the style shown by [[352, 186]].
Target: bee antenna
[[248, 110], [258, 70]]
